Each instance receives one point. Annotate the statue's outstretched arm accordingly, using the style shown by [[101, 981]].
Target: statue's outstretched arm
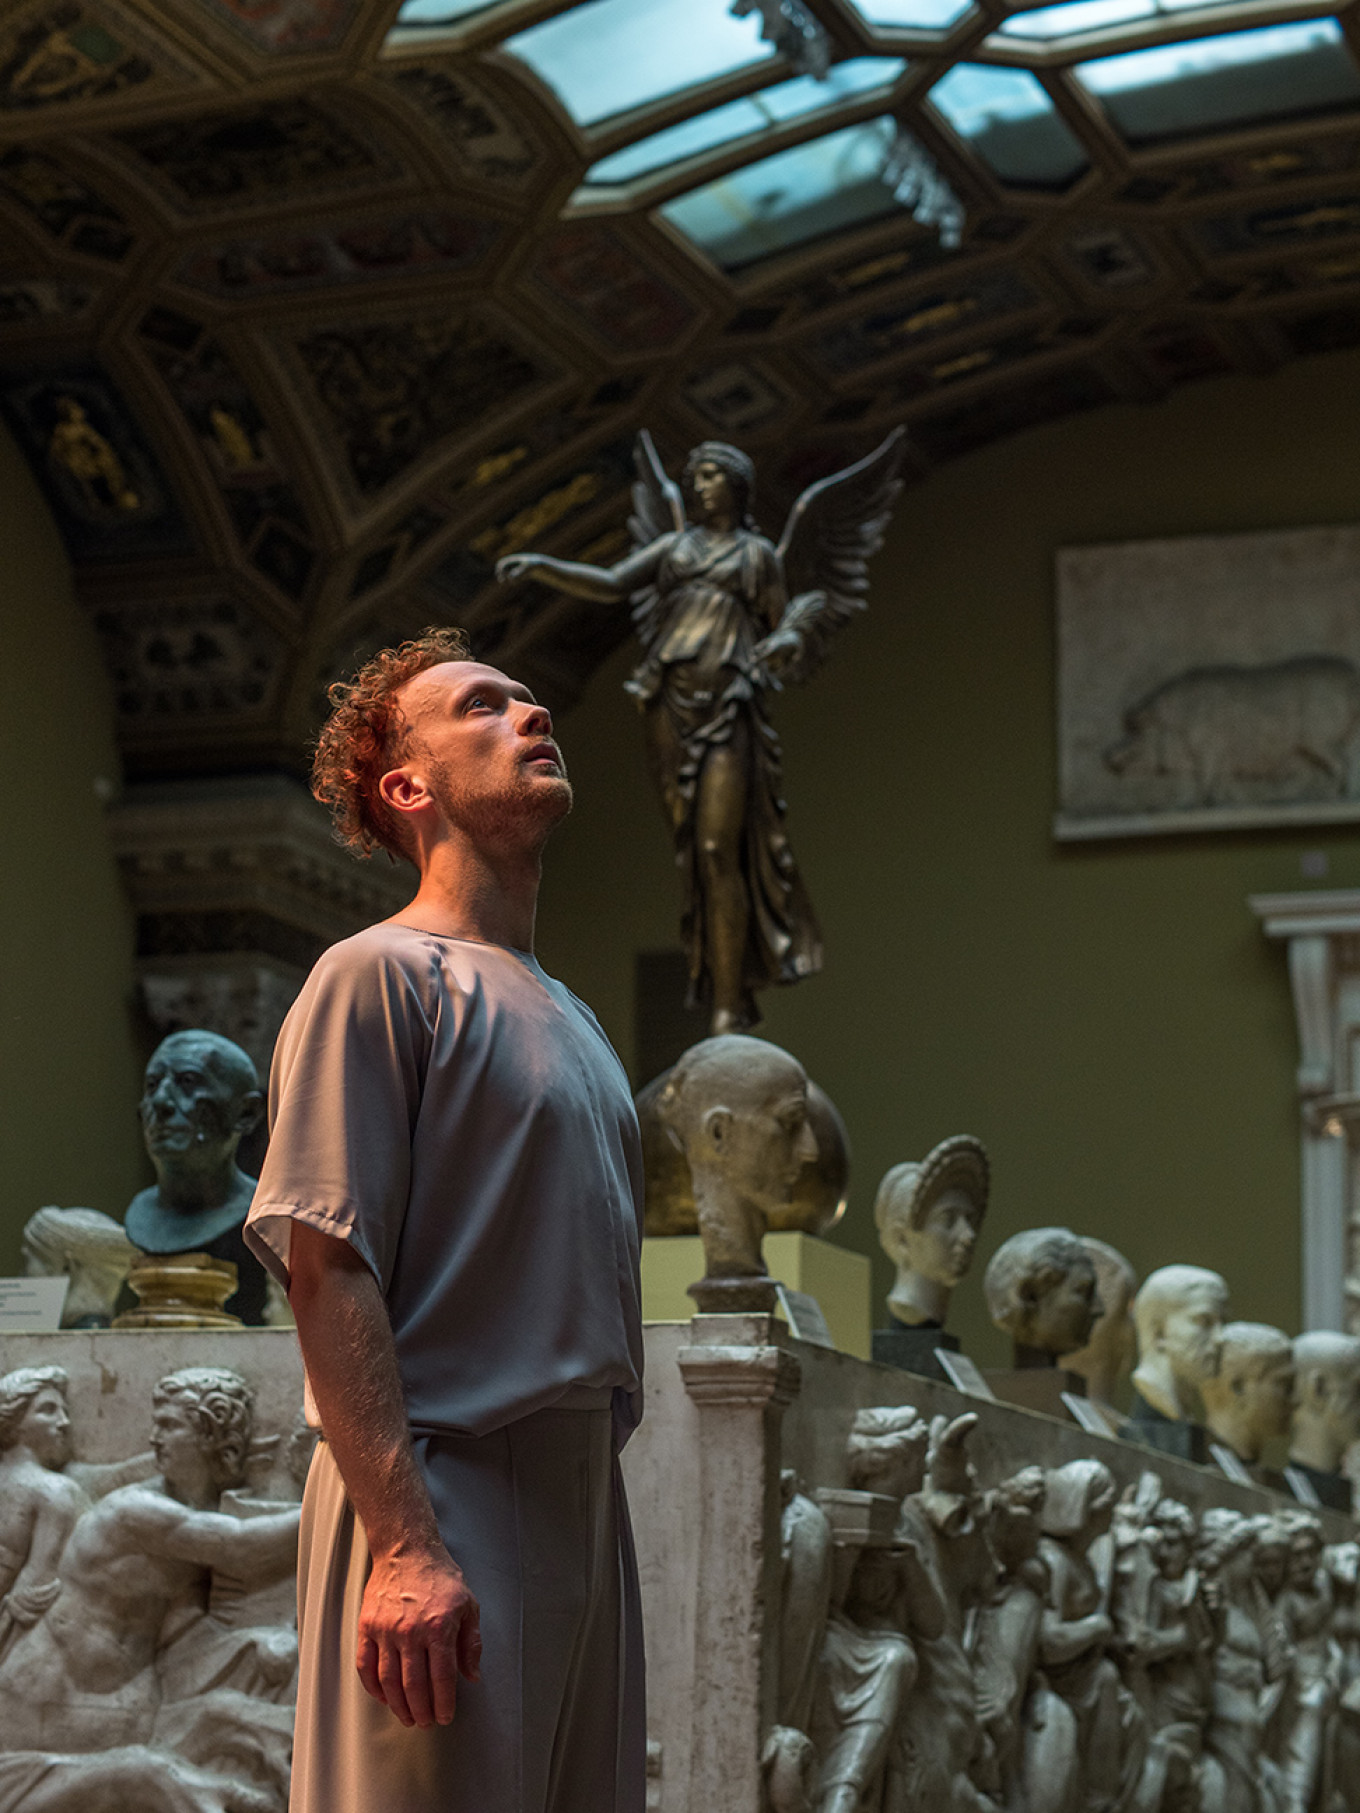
[[600, 585]]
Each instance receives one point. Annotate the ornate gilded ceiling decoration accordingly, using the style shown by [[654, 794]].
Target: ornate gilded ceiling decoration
[[312, 309]]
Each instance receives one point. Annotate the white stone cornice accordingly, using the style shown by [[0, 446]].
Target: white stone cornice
[[751, 1376]]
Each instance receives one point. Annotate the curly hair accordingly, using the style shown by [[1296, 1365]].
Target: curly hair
[[362, 740], [221, 1407], [17, 1392]]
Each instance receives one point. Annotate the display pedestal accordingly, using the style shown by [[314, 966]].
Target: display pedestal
[[838, 1279], [913, 1349], [1037, 1387]]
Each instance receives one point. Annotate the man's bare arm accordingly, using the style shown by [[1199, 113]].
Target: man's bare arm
[[418, 1625]]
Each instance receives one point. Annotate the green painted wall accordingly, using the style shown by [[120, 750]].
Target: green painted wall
[[69, 1061], [1109, 1020]]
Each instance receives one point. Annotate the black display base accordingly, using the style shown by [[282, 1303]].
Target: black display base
[[1037, 1388], [913, 1350], [1332, 1489], [1184, 1441]]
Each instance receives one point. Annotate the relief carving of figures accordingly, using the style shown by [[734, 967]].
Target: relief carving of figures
[[133, 1672], [1248, 1667], [725, 618]]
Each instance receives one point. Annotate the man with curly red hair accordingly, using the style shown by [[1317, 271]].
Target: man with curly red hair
[[452, 1197]]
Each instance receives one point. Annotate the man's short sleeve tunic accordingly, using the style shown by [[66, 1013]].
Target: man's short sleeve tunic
[[461, 1120]]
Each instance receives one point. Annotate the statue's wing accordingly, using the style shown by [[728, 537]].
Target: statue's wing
[[833, 529], [658, 508]]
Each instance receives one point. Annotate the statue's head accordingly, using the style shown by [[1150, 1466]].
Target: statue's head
[[737, 1108], [886, 1450], [1270, 1550], [202, 1420], [1306, 1544], [200, 1097], [1179, 1314], [1327, 1384], [1014, 1516], [1171, 1537], [928, 1215], [1227, 1544], [1252, 1393], [718, 476], [1040, 1287], [1079, 1501], [75, 1240], [1109, 1353], [34, 1413]]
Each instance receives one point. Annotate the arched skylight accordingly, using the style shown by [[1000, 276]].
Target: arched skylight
[[1048, 22], [753, 116], [610, 56], [829, 183], [1276, 70], [1010, 121], [911, 15], [438, 12]]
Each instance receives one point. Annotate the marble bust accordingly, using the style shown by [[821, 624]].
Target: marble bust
[[737, 1108], [1040, 1287], [1178, 1315], [200, 1097], [1248, 1400], [928, 1217], [1326, 1417], [91, 1249], [1108, 1357]]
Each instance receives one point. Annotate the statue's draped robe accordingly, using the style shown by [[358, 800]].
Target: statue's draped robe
[[699, 625]]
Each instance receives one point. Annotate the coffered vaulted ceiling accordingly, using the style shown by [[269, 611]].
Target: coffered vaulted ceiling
[[308, 312]]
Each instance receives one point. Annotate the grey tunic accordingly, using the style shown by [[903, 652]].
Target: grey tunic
[[460, 1118]]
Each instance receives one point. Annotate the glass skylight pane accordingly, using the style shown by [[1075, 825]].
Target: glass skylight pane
[[829, 183], [1080, 15], [1007, 117], [1179, 88], [747, 118], [438, 12], [611, 55], [911, 15]]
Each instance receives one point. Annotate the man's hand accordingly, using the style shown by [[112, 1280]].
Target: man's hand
[[418, 1631]]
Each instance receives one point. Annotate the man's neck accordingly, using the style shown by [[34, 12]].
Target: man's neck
[[466, 891]]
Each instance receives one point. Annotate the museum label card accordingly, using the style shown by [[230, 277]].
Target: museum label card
[[1229, 1465], [963, 1374], [32, 1306], [804, 1317]]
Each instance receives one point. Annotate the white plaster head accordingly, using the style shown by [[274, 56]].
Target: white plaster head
[[928, 1217], [1109, 1354], [1040, 1287], [1270, 1551], [88, 1247], [1014, 1517], [1248, 1401], [1326, 1416], [34, 1414], [1306, 1543], [886, 1450], [1171, 1537], [1227, 1545], [202, 1424], [1079, 1501], [737, 1108], [1178, 1315]]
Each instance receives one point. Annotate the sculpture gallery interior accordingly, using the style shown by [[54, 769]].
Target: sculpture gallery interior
[[910, 445]]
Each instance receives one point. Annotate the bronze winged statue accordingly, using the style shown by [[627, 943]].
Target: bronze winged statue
[[724, 618]]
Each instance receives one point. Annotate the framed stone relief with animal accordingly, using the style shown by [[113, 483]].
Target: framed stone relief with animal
[[1209, 682]]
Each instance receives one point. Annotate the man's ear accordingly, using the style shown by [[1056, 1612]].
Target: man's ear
[[248, 1112], [403, 790], [717, 1127]]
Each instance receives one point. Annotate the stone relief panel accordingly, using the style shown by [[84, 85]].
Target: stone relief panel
[[110, 497], [63, 205], [431, 240], [131, 1675], [286, 147], [1210, 681], [482, 134], [393, 389]]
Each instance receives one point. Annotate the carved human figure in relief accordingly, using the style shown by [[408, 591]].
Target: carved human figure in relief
[[1326, 1415], [725, 617], [1238, 1777], [136, 1566], [38, 1506], [1178, 1315], [200, 1097], [1040, 1287], [1013, 1700], [737, 1108], [1248, 1401], [1305, 1607], [1342, 1561], [928, 1217], [1089, 1751], [1108, 1356]]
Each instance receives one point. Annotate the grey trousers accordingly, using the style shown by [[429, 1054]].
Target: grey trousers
[[535, 1516]]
